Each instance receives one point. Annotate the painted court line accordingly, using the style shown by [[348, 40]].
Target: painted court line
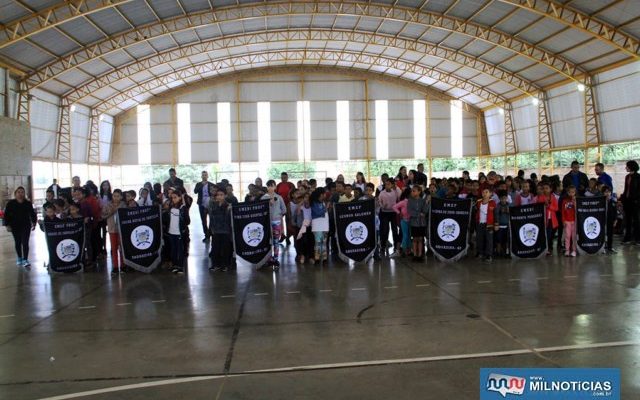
[[359, 288], [344, 365], [325, 290], [606, 274], [123, 304], [86, 307], [447, 357], [158, 301], [514, 280], [571, 276], [481, 282], [137, 386], [453, 283], [390, 287], [423, 285], [260, 294], [294, 292], [7, 316], [228, 296]]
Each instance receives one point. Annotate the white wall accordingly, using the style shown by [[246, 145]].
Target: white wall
[[618, 102], [283, 91]]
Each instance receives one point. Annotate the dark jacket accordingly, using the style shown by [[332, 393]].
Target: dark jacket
[[19, 215], [199, 188], [583, 182], [175, 184], [185, 220], [220, 216], [631, 194]]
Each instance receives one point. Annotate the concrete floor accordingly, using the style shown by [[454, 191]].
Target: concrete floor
[[391, 329]]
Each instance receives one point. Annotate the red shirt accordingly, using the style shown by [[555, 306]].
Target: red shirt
[[568, 210], [283, 189], [551, 209], [491, 210]]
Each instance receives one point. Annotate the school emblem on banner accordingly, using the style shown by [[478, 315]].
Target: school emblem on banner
[[449, 228], [251, 225], [591, 217], [68, 250], [140, 233], [65, 241], [356, 233], [253, 234], [528, 233], [142, 237], [355, 230]]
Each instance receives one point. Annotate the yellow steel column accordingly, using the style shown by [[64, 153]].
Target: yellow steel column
[[238, 138], [366, 127]]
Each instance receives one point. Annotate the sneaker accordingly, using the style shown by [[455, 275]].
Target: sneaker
[[26, 263], [573, 254], [177, 270], [612, 250], [215, 269], [19, 261], [488, 258], [115, 273], [566, 254]]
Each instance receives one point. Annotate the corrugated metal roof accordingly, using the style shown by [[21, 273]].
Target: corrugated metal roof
[[551, 35]]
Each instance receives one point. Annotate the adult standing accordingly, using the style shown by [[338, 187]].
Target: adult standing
[[203, 189], [603, 177], [283, 189], [631, 204], [576, 178], [173, 180], [20, 219], [55, 188], [420, 178]]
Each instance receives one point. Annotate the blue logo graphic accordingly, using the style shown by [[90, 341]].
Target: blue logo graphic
[[549, 383]]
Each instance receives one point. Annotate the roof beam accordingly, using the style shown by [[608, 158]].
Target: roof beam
[[332, 58], [296, 8], [51, 17], [581, 21], [265, 37]]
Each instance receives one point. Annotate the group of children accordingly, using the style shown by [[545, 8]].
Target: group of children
[[302, 212]]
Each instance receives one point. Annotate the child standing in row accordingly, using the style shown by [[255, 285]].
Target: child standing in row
[[278, 209], [220, 228], [418, 209], [319, 224], [569, 222], [486, 224], [110, 214]]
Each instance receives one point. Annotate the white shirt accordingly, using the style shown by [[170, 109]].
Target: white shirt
[[205, 194], [484, 209], [174, 222]]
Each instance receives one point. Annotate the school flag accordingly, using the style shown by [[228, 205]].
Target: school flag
[[355, 230], [449, 228], [251, 224], [591, 217], [65, 240], [528, 232], [140, 237]]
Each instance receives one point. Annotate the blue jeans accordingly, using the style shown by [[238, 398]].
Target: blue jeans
[[406, 236], [177, 250]]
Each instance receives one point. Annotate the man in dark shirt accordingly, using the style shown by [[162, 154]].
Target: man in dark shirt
[[204, 191], [576, 178], [173, 180], [419, 177]]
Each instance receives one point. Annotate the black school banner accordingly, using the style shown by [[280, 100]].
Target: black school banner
[[65, 240], [449, 228], [528, 232], [140, 237], [251, 224], [355, 230], [591, 217]]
